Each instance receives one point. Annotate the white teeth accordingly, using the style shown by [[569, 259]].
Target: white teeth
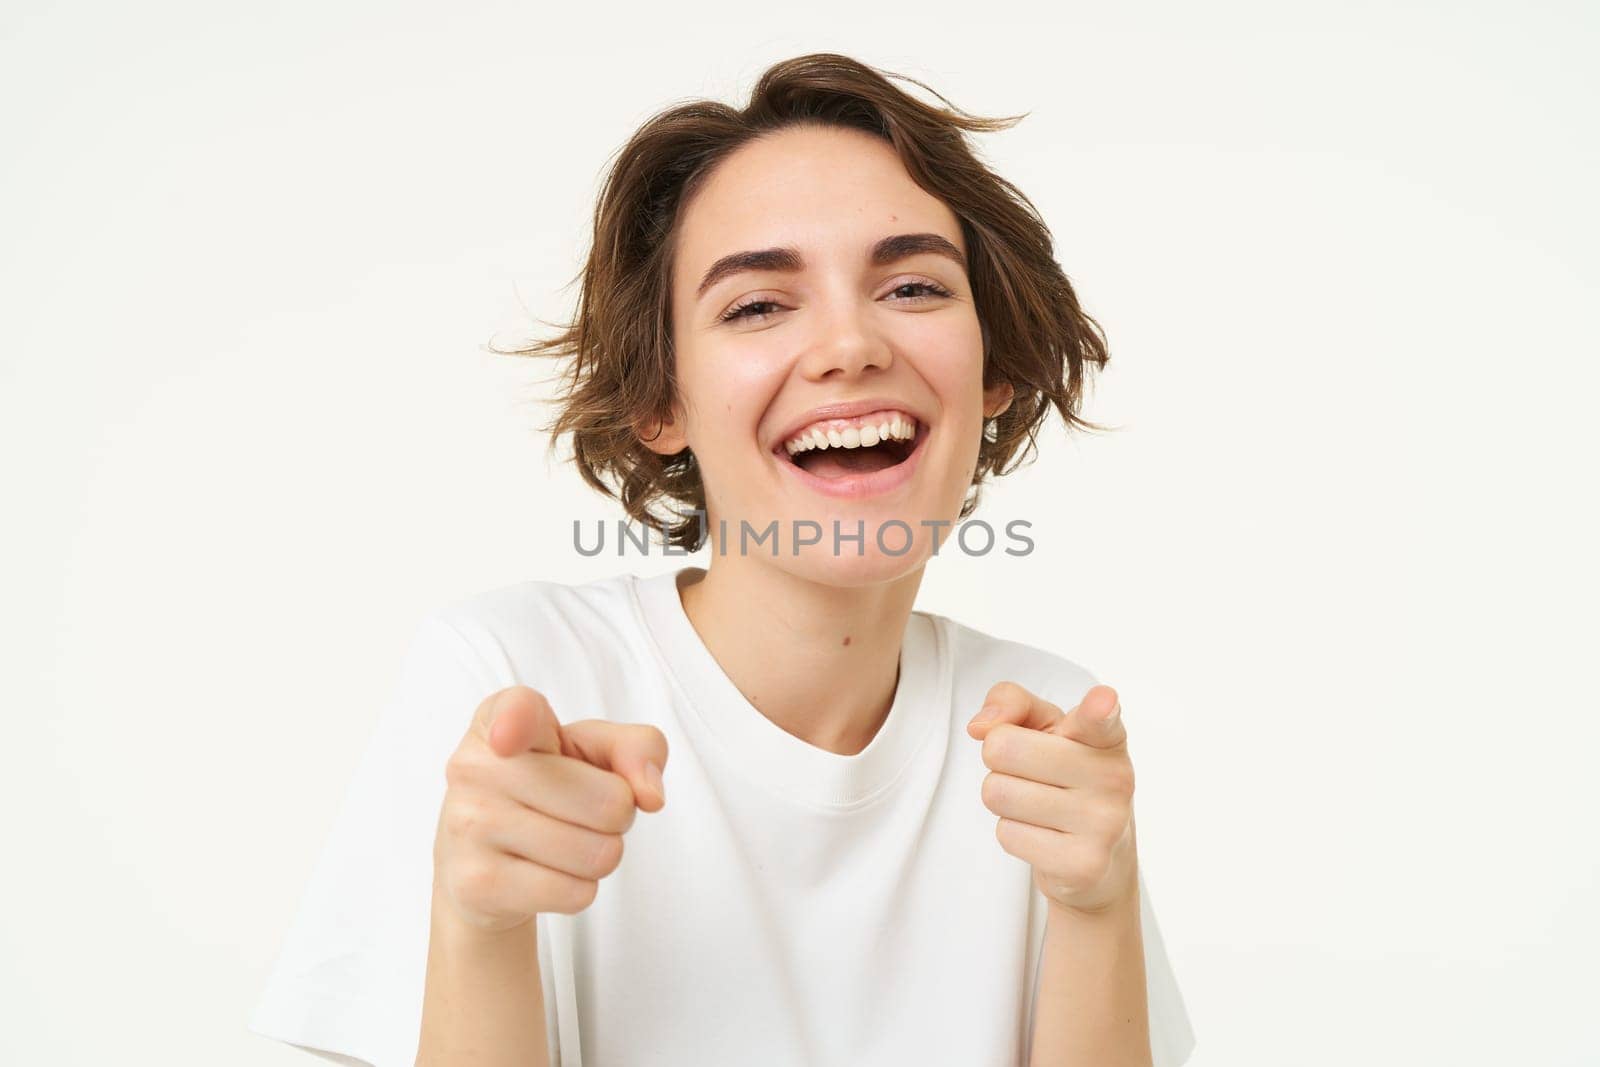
[[894, 428]]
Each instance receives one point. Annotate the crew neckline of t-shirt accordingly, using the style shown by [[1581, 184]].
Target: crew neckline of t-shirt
[[769, 755]]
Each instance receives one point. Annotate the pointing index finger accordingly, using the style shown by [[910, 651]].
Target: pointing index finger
[[519, 719], [1008, 702]]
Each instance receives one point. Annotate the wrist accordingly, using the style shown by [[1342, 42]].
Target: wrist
[[468, 934], [1121, 897]]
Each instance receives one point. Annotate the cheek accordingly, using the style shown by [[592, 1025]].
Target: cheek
[[726, 396], [957, 379], [744, 384], [949, 354]]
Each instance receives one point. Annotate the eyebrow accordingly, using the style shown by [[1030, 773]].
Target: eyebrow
[[888, 250]]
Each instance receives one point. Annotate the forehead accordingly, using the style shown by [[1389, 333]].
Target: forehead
[[826, 191]]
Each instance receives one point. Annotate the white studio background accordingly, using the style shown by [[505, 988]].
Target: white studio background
[[1338, 561]]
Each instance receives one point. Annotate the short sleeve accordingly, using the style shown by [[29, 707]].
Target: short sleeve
[[1172, 1038], [348, 981], [1171, 1035]]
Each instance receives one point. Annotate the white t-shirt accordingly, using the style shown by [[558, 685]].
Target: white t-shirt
[[788, 906]]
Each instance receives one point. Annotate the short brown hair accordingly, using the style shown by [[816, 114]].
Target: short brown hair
[[620, 374]]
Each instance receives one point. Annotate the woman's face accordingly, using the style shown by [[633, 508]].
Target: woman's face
[[830, 333]]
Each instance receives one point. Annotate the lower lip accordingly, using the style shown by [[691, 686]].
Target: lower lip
[[859, 486]]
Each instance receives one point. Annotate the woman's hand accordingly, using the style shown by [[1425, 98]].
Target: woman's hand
[[1062, 784], [534, 811]]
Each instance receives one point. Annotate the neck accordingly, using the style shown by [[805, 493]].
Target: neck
[[820, 661]]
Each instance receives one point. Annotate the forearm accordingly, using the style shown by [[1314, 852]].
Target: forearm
[[1091, 1009], [483, 1005]]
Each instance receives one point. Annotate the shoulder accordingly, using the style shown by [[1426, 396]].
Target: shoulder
[[522, 629], [539, 605], [980, 660]]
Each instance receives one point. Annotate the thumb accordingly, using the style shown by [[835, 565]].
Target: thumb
[[1096, 721], [518, 719], [633, 750]]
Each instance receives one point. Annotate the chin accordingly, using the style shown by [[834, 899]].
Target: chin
[[818, 564]]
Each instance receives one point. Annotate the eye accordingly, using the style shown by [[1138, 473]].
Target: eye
[[931, 290], [738, 310]]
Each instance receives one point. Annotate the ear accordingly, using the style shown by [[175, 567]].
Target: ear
[[663, 436], [996, 399]]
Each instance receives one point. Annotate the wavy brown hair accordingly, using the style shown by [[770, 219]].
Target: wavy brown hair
[[619, 375]]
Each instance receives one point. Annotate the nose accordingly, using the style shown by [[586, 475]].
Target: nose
[[844, 347]]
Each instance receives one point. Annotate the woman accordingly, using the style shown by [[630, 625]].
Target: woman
[[808, 331]]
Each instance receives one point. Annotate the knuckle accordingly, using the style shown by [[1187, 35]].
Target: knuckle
[[658, 741], [577, 894], [1113, 816], [459, 768], [994, 748], [617, 808], [1121, 780], [1005, 693], [464, 813], [993, 791], [607, 855], [458, 813], [477, 882], [1091, 862]]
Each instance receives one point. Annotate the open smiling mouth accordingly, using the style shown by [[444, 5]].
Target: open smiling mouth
[[840, 450]]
